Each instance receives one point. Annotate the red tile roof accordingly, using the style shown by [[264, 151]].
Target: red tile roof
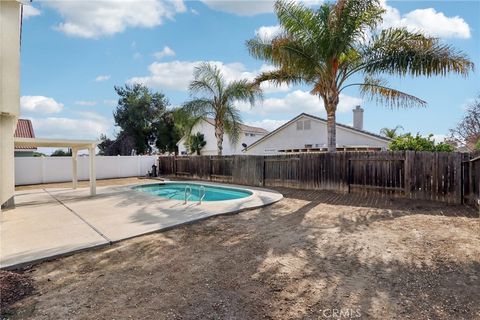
[[24, 130]]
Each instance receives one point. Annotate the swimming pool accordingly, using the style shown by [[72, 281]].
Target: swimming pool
[[176, 191]]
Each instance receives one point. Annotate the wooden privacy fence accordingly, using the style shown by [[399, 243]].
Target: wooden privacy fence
[[472, 170], [439, 176]]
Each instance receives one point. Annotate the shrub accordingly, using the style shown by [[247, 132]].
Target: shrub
[[418, 143]]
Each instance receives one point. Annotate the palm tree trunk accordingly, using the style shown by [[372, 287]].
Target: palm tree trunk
[[331, 131], [219, 136]]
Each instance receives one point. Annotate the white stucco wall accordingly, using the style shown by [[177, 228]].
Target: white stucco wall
[[291, 138], [210, 148], [10, 57], [34, 170], [9, 92]]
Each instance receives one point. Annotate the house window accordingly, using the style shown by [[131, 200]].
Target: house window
[[304, 125], [300, 125], [309, 146]]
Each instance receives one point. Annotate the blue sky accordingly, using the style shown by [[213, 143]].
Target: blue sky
[[74, 52]]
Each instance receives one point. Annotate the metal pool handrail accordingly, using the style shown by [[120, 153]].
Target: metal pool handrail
[[189, 189], [201, 194]]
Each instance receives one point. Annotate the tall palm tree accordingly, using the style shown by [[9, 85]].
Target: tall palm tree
[[324, 48], [391, 132], [217, 101]]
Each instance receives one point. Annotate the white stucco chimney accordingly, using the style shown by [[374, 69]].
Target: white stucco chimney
[[358, 118]]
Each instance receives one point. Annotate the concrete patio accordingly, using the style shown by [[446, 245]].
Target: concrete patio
[[55, 221]]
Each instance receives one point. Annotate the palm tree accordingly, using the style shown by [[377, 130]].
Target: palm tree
[[390, 132], [196, 142], [324, 48], [217, 101]]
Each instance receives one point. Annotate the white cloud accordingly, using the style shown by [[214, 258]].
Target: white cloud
[[39, 104], [299, 101], [87, 125], [438, 138], [268, 32], [428, 20], [30, 11], [86, 103], [166, 52], [161, 75], [248, 7], [267, 124], [101, 78], [110, 102], [94, 19]]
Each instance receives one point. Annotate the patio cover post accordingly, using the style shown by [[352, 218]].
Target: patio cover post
[[93, 182], [74, 168]]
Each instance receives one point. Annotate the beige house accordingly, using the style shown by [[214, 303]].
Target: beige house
[[248, 135], [24, 130], [10, 22], [10, 28], [308, 133]]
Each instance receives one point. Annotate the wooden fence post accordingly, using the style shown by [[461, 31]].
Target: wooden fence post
[[263, 171], [407, 173], [175, 165]]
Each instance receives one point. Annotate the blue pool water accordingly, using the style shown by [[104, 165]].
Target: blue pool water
[[176, 191]]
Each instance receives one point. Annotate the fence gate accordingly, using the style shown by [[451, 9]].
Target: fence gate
[[472, 194], [373, 175]]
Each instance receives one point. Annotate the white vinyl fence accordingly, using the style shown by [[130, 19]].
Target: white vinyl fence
[[34, 170]]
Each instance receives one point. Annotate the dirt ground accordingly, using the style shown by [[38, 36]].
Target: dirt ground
[[313, 255]]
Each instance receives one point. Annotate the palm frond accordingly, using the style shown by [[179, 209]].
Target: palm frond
[[261, 49], [279, 77], [297, 19], [397, 51], [198, 108], [378, 90], [207, 78], [232, 123], [242, 90]]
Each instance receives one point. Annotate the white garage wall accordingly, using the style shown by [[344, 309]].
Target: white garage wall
[[33, 170]]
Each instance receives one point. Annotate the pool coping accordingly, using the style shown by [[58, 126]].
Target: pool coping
[[79, 207]]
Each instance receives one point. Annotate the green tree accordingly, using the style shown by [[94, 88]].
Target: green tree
[[167, 133], [418, 143], [217, 98], [38, 154], [196, 142], [477, 145], [327, 47], [184, 122], [139, 113], [61, 153], [391, 132]]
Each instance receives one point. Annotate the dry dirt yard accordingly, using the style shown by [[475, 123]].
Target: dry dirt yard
[[313, 255]]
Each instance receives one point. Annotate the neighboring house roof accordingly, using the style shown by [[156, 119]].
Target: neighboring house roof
[[319, 119], [244, 127], [24, 130]]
